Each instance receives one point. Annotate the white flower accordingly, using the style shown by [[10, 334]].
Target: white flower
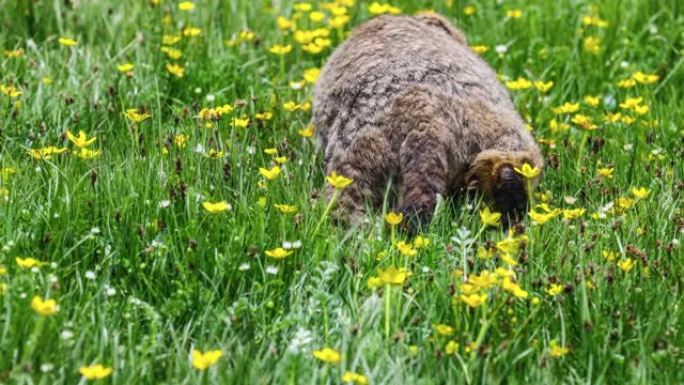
[[273, 270], [244, 267], [301, 339], [164, 204], [90, 275], [501, 49], [66, 334], [46, 367], [110, 291], [210, 97]]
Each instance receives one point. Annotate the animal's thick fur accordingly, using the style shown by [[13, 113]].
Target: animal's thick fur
[[406, 96]]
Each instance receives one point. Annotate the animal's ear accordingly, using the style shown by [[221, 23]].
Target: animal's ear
[[439, 21]]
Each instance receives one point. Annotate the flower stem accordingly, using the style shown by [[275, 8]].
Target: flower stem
[[388, 299], [326, 212]]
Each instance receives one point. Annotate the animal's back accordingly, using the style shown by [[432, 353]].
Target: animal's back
[[386, 56]]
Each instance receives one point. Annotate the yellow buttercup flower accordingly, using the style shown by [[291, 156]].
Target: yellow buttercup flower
[[307, 132], [28, 262], [528, 171], [518, 84], [328, 355], [186, 6], [643, 78], [606, 172], [81, 140], [490, 218], [393, 218], [171, 39], [444, 330], [420, 242], [176, 70], [67, 42], [508, 285], [135, 116], [172, 53], [556, 350], [270, 173], [45, 307], [286, 209], [278, 253], [573, 213], [641, 193], [192, 31], [555, 289], [543, 87], [473, 300], [479, 49], [338, 181], [216, 207], [514, 13], [566, 108], [95, 372], [203, 361], [406, 249], [355, 378], [85, 153], [626, 264], [592, 101], [280, 49], [393, 276], [592, 44]]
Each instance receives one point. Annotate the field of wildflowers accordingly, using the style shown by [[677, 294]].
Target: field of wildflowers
[[162, 218]]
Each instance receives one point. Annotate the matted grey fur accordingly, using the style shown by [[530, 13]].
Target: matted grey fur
[[406, 96]]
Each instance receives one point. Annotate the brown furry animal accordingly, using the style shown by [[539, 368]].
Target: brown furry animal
[[406, 96]]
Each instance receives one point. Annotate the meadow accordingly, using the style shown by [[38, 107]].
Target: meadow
[[163, 221]]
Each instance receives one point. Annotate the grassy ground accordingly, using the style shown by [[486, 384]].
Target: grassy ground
[[143, 274]]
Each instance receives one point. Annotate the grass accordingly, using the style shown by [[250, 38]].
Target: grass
[[143, 274]]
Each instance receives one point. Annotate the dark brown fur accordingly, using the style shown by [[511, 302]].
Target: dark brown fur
[[406, 96]]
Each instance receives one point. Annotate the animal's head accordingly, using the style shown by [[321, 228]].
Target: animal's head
[[497, 174]]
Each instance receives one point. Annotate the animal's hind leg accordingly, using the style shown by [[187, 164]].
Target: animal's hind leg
[[425, 173], [368, 161]]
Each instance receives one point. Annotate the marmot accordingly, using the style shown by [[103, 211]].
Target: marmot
[[407, 97]]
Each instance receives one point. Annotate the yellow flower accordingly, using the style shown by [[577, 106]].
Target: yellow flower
[[484, 253], [203, 361], [626, 83], [306, 132], [612, 117], [45, 307], [592, 101], [286, 209], [278, 253], [641, 110], [508, 285], [509, 245], [85, 153], [641, 193], [28, 262], [393, 276], [375, 282], [451, 347], [135, 116], [444, 330], [19, 52], [266, 115], [643, 78], [543, 87], [556, 350], [378, 9], [631, 103], [172, 53], [490, 218], [584, 122], [338, 181], [606, 172], [485, 280], [518, 84], [339, 21], [592, 44], [528, 171], [317, 16], [186, 6], [514, 13], [270, 173], [240, 122], [311, 75], [176, 70], [10, 91], [171, 39], [95, 372], [216, 207], [3, 288], [355, 378], [406, 249], [542, 218], [573, 213], [420, 242], [126, 67], [473, 300], [280, 49], [67, 42], [555, 289], [283, 23], [609, 255], [480, 49], [3, 271], [302, 7], [191, 31], [566, 108], [626, 264], [469, 10], [46, 152], [180, 140], [328, 355], [81, 140], [393, 218]]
